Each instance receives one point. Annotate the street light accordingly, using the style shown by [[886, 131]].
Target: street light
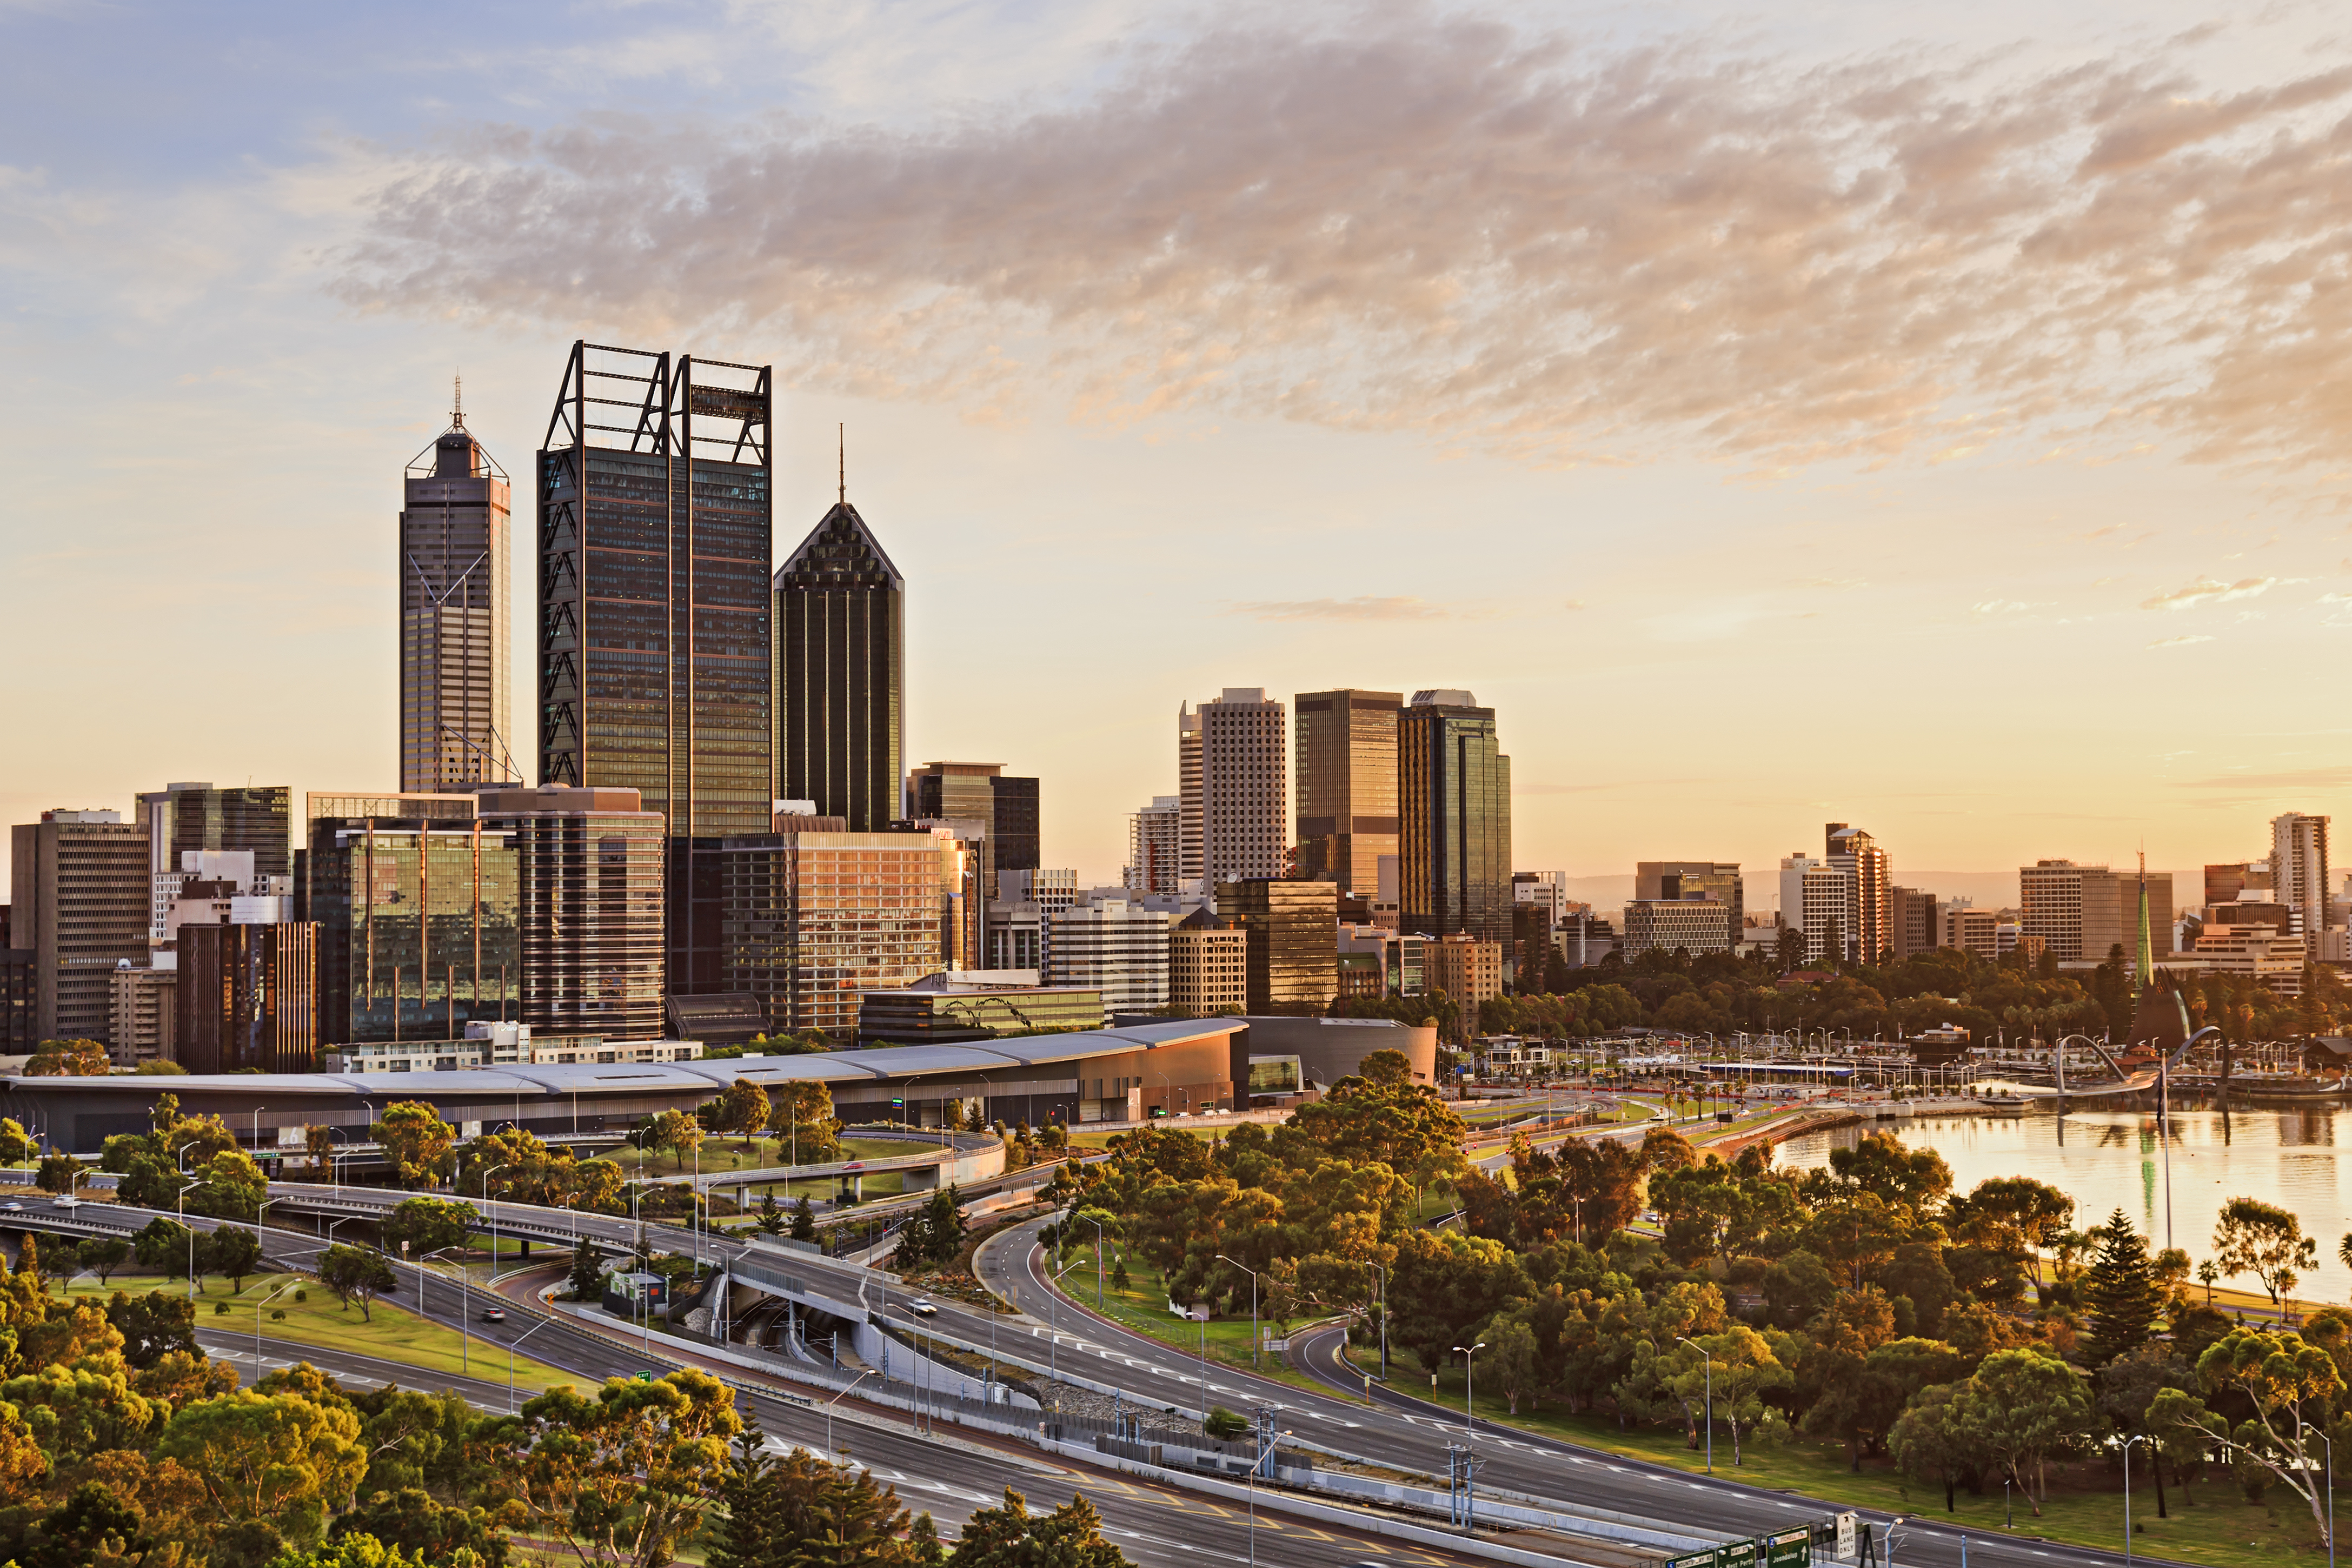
[[184, 1191], [836, 1400], [1383, 1268], [1469, 1414], [1710, 1416], [1098, 1263], [1053, 1332], [518, 1339], [494, 1215], [2135, 1437], [258, 1302], [1253, 1274]]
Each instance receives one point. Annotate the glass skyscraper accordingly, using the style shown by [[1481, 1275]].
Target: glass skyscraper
[[456, 616], [1453, 797], [418, 905], [1345, 748], [840, 672], [656, 528]]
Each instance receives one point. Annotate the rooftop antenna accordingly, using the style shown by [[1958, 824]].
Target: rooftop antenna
[[457, 398], [841, 433]]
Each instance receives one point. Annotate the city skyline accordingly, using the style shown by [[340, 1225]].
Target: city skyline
[[2146, 556]]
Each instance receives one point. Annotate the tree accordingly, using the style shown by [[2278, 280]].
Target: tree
[[1013, 1537], [801, 1116], [416, 1141], [101, 1255], [935, 1234], [789, 1512], [630, 1474], [2014, 1217], [2021, 1407], [741, 1107], [68, 1058], [16, 1145], [2127, 1390], [587, 1281], [356, 1274], [154, 1325], [2121, 1292], [163, 1247], [280, 1460], [1929, 1444], [2277, 1378], [2265, 1241], [1386, 1067], [674, 1131], [429, 1225], [353, 1550], [804, 1220], [233, 1188], [1744, 1371], [60, 1173], [233, 1252], [412, 1519], [1511, 1359]]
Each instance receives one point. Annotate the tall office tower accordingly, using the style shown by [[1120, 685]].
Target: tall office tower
[[1911, 925], [1245, 776], [417, 902], [1153, 836], [1208, 966], [840, 674], [1114, 947], [1188, 794], [656, 521], [2088, 911], [1815, 898], [2299, 871], [1016, 821], [81, 889], [246, 998], [181, 817], [816, 914], [1855, 853], [1291, 957], [1453, 797], [588, 867], [1346, 766], [1717, 880], [456, 616]]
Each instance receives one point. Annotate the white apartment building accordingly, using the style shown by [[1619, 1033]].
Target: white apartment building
[[1115, 947], [1817, 897], [1155, 846], [2299, 870]]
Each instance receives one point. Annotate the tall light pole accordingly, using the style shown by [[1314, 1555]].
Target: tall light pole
[[1053, 1332], [1383, 1269], [2135, 1437], [836, 1400], [1253, 1274], [1469, 1417], [184, 1191], [493, 1170], [1711, 1413]]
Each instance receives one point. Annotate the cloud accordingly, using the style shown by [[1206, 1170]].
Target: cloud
[[1571, 603], [2003, 607], [2293, 779], [2179, 641], [1553, 248], [1831, 582], [2206, 591], [1401, 608]]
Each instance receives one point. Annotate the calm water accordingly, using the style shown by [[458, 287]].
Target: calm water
[[2107, 1160]]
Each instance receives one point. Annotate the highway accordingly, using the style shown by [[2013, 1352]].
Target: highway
[[949, 1477]]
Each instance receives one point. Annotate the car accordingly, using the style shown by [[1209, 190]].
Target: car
[[12, 1208], [494, 1314], [855, 1166], [923, 1307]]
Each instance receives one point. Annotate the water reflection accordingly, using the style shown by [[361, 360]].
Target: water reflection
[[2107, 1160]]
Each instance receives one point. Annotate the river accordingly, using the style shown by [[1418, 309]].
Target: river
[[2107, 1160]]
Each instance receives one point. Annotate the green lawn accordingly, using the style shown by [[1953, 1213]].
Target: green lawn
[[2086, 1507], [1142, 1309], [395, 1334]]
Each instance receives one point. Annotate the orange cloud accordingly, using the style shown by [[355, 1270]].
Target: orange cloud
[[1559, 252]]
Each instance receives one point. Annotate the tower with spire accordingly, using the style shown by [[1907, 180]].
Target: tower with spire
[[455, 615], [2159, 1020], [839, 670]]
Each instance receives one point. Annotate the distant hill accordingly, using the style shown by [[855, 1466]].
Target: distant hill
[[1986, 889]]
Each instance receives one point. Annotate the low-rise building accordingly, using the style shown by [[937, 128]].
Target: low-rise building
[[492, 1045], [1208, 966], [1467, 969], [144, 1006], [1115, 948], [1690, 925], [1971, 930], [974, 1004]]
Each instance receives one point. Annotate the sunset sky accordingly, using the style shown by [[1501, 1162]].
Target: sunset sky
[[1938, 418]]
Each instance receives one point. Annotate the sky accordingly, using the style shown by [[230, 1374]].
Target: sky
[[1932, 419]]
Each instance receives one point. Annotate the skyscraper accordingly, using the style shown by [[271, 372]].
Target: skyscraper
[[589, 908], [1291, 959], [655, 527], [456, 616], [980, 791], [1188, 794], [1244, 780], [1347, 768], [81, 890], [1856, 854], [2299, 871], [1453, 799], [1153, 836], [840, 672]]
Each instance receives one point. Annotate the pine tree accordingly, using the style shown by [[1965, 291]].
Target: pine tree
[[2121, 1292], [587, 1275], [804, 1220]]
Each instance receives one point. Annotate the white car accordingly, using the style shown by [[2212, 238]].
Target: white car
[[923, 1307]]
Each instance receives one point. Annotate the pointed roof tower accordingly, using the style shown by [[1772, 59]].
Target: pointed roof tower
[[839, 672], [2159, 1020]]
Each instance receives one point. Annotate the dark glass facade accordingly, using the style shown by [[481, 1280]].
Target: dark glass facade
[[656, 525], [197, 817], [840, 674], [419, 927], [245, 998], [1453, 796], [1016, 826], [1291, 963], [1344, 747]]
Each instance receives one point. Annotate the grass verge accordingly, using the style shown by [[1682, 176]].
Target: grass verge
[[395, 1334]]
